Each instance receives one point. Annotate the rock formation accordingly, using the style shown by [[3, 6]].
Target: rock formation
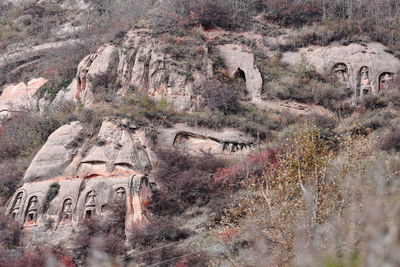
[[88, 179], [91, 173], [20, 97], [141, 64], [225, 142], [240, 63], [362, 69]]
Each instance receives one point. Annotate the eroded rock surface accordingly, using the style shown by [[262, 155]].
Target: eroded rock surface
[[91, 175], [240, 63], [95, 170], [223, 142], [141, 64], [363, 69], [20, 97]]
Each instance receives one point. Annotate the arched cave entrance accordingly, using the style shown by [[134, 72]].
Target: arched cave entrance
[[239, 74]]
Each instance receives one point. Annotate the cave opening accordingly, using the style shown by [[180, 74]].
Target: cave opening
[[239, 74], [88, 214]]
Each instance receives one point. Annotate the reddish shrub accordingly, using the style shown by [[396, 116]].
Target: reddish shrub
[[187, 179], [293, 13], [11, 173], [253, 165], [25, 132]]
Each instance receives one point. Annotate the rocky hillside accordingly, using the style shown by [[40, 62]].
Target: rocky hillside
[[199, 133]]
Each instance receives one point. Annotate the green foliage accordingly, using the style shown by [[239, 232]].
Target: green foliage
[[54, 188], [353, 261], [305, 69]]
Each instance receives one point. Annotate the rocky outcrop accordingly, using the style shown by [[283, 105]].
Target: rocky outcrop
[[240, 63], [114, 151], [363, 69], [104, 61], [89, 172], [225, 142], [20, 97], [14, 59], [89, 176], [141, 64]]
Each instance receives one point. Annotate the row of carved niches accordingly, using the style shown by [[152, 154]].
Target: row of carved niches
[[30, 216], [364, 82]]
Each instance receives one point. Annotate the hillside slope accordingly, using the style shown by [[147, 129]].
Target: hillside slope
[[199, 133]]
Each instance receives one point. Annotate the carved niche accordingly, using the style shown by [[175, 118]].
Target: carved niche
[[384, 79], [364, 82], [66, 212], [16, 208], [90, 205], [31, 213], [341, 73], [120, 194]]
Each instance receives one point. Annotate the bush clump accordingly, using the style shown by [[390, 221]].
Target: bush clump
[[178, 16], [187, 180], [219, 96], [105, 234], [390, 140]]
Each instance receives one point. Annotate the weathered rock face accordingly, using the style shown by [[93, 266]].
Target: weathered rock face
[[141, 64], [19, 97], [90, 179], [112, 166], [114, 151], [227, 142], [362, 69], [240, 63]]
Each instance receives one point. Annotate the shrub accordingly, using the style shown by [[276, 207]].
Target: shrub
[[105, 86], [108, 231], [252, 166], [390, 140], [10, 232], [177, 16], [219, 96], [25, 133], [305, 85], [373, 102], [392, 93], [51, 194], [292, 13], [186, 179], [159, 230], [12, 172]]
